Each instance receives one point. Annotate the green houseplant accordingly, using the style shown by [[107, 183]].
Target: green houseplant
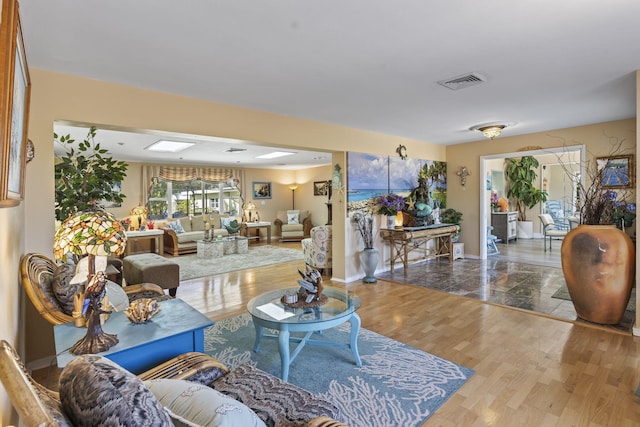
[[85, 176], [521, 174], [451, 216]]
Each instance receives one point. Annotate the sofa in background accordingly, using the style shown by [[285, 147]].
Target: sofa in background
[[293, 225], [181, 235]]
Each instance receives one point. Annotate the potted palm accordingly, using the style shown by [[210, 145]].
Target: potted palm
[[452, 216], [363, 222], [598, 258], [521, 174]]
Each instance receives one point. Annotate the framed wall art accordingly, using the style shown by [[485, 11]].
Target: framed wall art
[[261, 190], [15, 89], [617, 171], [321, 188]]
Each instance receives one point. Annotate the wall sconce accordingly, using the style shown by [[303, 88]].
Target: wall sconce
[[293, 187], [463, 173]]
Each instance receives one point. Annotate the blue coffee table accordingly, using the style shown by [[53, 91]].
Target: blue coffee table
[[268, 311], [178, 328]]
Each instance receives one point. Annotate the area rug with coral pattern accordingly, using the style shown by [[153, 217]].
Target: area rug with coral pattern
[[397, 385]]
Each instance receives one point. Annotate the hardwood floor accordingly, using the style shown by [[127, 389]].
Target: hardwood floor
[[531, 370]]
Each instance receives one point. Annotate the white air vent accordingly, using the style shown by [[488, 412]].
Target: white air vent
[[463, 81], [234, 150]]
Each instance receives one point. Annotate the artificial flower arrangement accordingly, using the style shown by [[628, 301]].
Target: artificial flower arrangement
[[494, 200], [390, 204]]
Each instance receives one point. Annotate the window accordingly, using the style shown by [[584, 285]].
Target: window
[[179, 199]]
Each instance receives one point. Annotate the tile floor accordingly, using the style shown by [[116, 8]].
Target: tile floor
[[521, 276]]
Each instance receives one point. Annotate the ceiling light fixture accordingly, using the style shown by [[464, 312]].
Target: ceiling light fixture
[[492, 130], [169, 146]]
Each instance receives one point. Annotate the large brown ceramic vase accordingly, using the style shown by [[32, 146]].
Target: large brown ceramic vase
[[598, 262]]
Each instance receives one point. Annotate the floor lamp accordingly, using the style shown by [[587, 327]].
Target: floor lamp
[[293, 187]]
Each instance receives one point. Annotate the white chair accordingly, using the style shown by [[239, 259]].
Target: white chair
[[550, 230], [317, 248], [492, 248]]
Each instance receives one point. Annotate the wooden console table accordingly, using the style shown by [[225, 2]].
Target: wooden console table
[[403, 241]]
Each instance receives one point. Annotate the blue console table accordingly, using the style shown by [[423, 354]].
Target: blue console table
[[178, 328]]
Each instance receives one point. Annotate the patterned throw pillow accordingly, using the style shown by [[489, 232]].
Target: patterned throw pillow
[[293, 217], [195, 404], [62, 289], [95, 391], [175, 226], [225, 221]]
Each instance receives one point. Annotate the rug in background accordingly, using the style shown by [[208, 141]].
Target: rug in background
[[397, 385], [258, 256]]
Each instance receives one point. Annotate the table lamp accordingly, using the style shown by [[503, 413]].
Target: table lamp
[[95, 234], [250, 211], [139, 214]]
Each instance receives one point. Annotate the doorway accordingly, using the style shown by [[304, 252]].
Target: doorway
[[568, 161]]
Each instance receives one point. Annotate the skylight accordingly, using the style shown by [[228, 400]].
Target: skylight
[[169, 146], [275, 155]]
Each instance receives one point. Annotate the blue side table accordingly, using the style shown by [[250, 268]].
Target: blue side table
[[178, 328]]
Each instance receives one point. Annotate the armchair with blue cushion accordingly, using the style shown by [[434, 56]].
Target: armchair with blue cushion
[[317, 248]]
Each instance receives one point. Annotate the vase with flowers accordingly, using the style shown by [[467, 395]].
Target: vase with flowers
[[363, 221], [598, 258], [390, 205], [495, 205]]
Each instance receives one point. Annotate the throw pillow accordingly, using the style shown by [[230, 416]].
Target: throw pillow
[[175, 226], [293, 217], [96, 391], [225, 222], [63, 289], [192, 404]]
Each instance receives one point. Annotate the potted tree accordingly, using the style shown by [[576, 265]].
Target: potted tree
[[521, 174], [85, 177]]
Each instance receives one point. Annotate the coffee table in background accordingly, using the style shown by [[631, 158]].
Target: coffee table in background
[[178, 328], [217, 248], [268, 311]]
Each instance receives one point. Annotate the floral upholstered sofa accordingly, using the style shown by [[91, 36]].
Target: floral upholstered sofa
[[181, 235]]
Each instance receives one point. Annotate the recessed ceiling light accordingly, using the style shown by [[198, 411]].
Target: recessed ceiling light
[[275, 155], [169, 146]]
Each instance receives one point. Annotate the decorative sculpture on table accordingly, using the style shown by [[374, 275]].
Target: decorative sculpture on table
[[310, 292], [95, 234]]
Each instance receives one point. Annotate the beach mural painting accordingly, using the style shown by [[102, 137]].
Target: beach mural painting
[[370, 176]]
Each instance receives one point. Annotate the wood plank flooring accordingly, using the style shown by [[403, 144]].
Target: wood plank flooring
[[530, 370]]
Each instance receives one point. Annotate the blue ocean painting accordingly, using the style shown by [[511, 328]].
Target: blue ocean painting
[[367, 176], [403, 175]]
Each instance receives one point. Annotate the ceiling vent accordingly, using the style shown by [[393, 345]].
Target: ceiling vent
[[234, 150], [463, 81]]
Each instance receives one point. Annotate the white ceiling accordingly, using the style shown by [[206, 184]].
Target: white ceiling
[[366, 64]]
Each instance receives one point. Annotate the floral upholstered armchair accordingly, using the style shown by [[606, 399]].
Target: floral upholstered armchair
[[317, 248]]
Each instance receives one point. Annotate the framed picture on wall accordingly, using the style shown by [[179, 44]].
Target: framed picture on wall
[[261, 190], [14, 106], [617, 171], [321, 188]]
